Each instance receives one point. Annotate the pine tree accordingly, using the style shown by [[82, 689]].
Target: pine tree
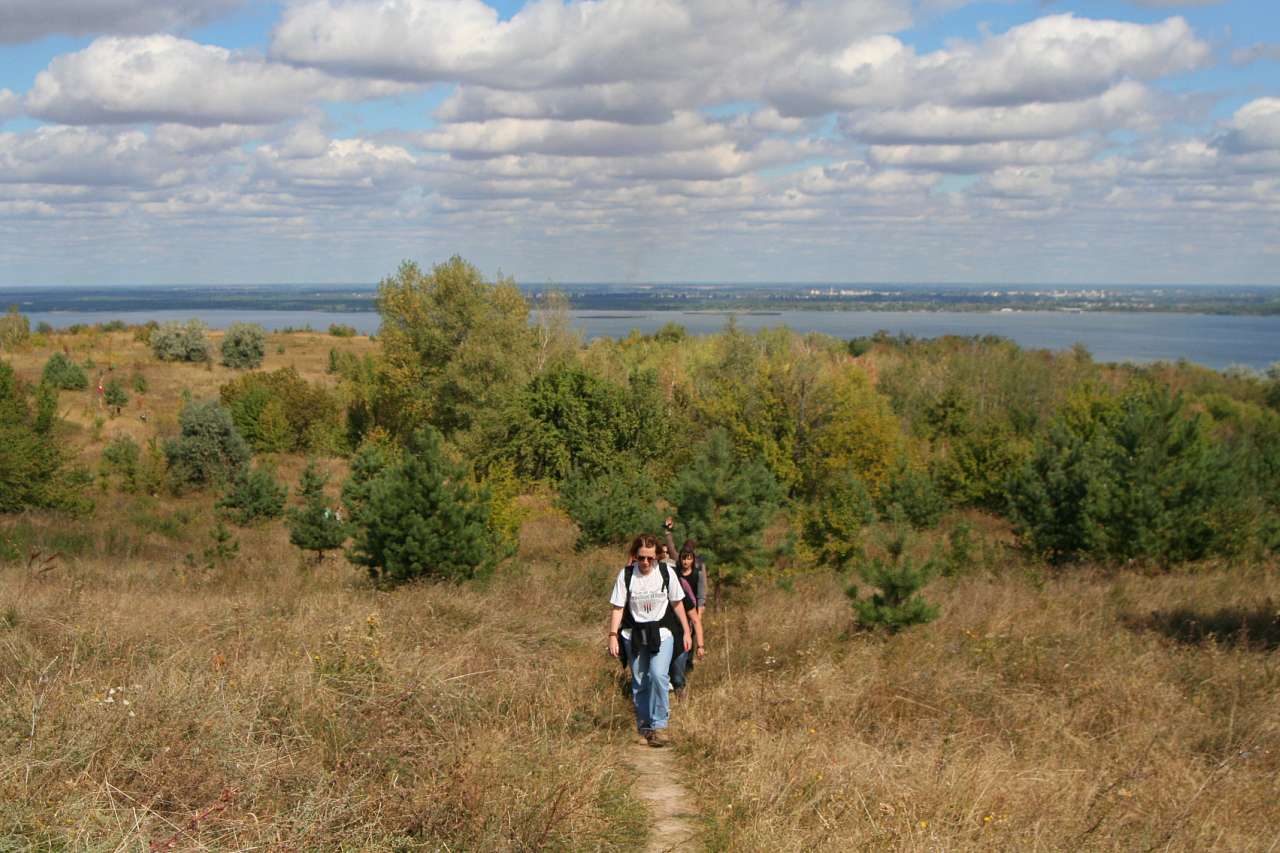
[[313, 526], [254, 496], [899, 579], [724, 503], [421, 518], [223, 547]]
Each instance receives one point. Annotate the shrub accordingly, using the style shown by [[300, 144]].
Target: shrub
[[897, 603], [208, 451], [313, 526], [140, 384], [177, 341], [15, 329], [254, 496], [43, 328], [64, 374], [421, 518], [340, 330], [114, 326], [244, 345], [612, 505]]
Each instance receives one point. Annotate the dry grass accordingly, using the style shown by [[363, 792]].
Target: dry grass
[[1077, 714], [272, 705], [310, 711]]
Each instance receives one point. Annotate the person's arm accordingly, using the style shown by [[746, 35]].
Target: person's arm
[[615, 622], [696, 616], [700, 586], [668, 526], [684, 622]]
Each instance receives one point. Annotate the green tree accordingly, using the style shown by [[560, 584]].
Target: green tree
[[244, 345], [897, 602], [455, 348], [567, 418], [254, 496], [1136, 475], [422, 518], [272, 431], [313, 526], [208, 449], [123, 456], [612, 504], [833, 522], [724, 503], [64, 374], [35, 464], [114, 395], [912, 495], [223, 546]]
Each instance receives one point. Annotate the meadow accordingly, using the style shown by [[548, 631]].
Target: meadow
[[154, 701]]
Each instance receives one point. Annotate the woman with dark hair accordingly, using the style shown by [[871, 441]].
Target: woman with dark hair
[[648, 619], [698, 574], [682, 662]]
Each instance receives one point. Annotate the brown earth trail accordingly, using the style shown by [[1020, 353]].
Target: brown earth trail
[[656, 783]]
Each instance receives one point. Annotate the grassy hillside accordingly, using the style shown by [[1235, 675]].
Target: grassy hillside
[[276, 704]]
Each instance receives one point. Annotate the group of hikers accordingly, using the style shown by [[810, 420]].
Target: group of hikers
[[655, 626]]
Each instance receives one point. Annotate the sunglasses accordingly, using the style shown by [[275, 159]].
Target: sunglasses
[[640, 558]]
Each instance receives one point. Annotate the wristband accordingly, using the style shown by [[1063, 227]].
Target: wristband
[[613, 633]]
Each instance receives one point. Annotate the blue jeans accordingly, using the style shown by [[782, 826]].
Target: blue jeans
[[680, 665], [649, 684]]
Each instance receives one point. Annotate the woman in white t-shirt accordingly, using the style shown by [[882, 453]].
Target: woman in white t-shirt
[[645, 624]]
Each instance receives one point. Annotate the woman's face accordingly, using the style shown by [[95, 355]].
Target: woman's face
[[686, 562], [645, 559], [662, 552]]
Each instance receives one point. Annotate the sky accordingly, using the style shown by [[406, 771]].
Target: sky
[[895, 141]]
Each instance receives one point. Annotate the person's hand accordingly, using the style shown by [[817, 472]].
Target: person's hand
[[613, 645], [688, 643], [702, 652], [670, 522]]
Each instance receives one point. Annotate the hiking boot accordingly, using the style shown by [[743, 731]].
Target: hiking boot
[[658, 738]]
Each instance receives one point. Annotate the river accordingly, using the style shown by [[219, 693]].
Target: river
[[1216, 341]]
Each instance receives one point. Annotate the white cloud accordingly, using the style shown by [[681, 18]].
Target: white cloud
[[573, 138], [550, 44], [28, 20], [10, 105], [983, 157], [1126, 104], [1254, 127], [163, 78], [84, 157]]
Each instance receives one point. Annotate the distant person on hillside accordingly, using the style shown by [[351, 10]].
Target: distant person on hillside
[[647, 622]]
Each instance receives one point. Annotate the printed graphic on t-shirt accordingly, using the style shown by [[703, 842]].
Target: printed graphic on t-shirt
[[648, 605]]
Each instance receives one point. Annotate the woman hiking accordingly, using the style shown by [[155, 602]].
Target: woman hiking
[[647, 615], [682, 662]]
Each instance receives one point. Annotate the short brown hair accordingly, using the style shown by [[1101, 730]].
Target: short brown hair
[[644, 540]]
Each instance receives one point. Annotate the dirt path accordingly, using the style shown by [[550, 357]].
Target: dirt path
[[657, 783]]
